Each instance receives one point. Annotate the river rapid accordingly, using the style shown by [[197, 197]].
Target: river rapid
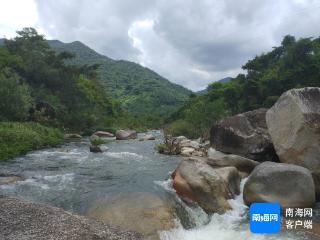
[[71, 177]]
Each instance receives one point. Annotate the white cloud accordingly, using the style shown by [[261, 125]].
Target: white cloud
[[16, 14], [190, 42]]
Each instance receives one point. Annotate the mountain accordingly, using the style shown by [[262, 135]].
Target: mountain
[[139, 89], [223, 80]]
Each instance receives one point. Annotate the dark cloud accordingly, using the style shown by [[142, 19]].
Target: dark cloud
[[190, 42]]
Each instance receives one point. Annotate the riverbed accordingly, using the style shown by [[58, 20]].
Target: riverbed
[[70, 177]]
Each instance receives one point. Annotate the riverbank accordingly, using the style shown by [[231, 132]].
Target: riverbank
[[18, 138], [40, 221]]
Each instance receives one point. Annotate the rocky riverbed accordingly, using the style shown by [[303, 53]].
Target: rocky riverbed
[[142, 193]]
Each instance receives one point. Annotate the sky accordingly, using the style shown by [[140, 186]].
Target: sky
[[190, 42]]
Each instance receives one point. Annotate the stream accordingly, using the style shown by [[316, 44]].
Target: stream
[[71, 177]]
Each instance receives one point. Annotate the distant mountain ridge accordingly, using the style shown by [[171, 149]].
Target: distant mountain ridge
[[223, 80], [139, 89]]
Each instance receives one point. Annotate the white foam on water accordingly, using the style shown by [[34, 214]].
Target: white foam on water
[[230, 226], [124, 155], [46, 182], [34, 183], [60, 178], [166, 185]]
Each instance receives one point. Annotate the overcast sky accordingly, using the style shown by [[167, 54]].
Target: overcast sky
[[190, 42]]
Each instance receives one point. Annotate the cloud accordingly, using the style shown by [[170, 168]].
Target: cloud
[[190, 42]]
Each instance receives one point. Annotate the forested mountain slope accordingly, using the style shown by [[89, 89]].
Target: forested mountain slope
[[138, 89]]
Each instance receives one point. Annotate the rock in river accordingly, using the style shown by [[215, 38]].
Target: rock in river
[[103, 134], [149, 137], [95, 149], [32, 221], [144, 213], [72, 136], [210, 187], [10, 179], [126, 134], [294, 125], [290, 185], [244, 134]]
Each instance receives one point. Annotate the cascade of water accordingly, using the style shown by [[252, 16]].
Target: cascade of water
[[233, 225]]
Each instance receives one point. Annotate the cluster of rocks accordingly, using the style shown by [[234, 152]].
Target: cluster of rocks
[[277, 149], [95, 138], [186, 147]]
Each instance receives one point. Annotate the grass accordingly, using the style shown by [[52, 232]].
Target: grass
[[161, 148], [18, 138], [97, 141]]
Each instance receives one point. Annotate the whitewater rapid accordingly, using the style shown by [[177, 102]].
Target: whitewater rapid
[[233, 225]]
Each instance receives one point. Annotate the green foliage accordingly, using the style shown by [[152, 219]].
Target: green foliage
[[294, 64], [97, 141], [19, 138], [161, 148], [15, 98], [47, 90], [182, 128]]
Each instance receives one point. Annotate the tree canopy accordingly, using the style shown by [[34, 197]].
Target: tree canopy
[[293, 64]]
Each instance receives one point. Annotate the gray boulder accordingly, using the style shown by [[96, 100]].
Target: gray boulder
[[289, 185], [126, 134], [294, 125], [219, 159], [195, 180], [32, 221], [149, 137], [103, 134], [244, 134], [95, 149]]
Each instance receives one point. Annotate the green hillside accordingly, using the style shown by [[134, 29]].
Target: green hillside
[[293, 64], [138, 89]]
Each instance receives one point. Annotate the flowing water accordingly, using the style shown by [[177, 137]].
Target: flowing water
[[71, 177]]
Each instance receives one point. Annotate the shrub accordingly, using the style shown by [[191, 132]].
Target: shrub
[[18, 138], [97, 141], [161, 148], [182, 128]]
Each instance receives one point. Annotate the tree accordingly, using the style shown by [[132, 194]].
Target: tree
[[15, 99]]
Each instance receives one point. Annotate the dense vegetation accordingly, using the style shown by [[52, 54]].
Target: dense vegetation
[[140, 91], [19, 138], [41, 83], [37, 85], [294, 64]]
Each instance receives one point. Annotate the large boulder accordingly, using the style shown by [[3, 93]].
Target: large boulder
[[289, 185], [219, 159], [195, 180], [244, 134], [126, 134], [32, 221], [144, 213], [294, 125]]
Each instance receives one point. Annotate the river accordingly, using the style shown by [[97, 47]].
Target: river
[[71, 177]]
